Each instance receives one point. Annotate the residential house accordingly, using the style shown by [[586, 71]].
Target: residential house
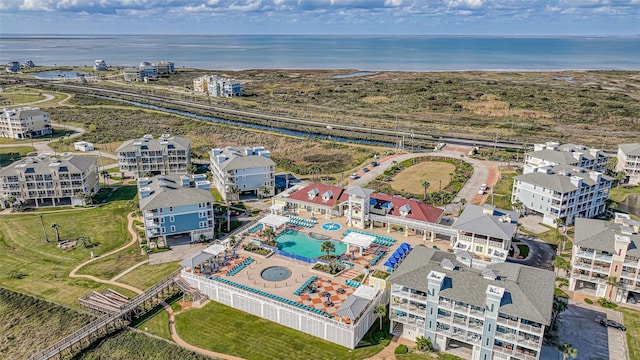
[[24, 123], [176, 208], [27, 64], [49, 181], [552, 153], [99, 65], [486, 233], [217, 86], [606, 249], [242, 170], [562, 192], [166, 155], [12, 66], [500, 312], [629, 161]]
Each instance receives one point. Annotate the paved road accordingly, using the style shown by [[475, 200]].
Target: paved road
[[540, 253], [468, 192]]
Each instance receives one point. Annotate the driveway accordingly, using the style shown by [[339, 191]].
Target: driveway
[[540, 253]]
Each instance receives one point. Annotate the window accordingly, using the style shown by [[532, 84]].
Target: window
[[173, 228], [170, 208], [161, 210], [202, 214], [478, 248], [161, 220], [163, 230], [172, 218], [489, 328], [202, 224]]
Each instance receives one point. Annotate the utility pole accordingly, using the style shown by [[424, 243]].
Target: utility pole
[[46, 237]]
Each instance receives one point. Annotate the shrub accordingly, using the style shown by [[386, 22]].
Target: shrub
[[401, 349], [588, 301], [385, 342], [607, 304]]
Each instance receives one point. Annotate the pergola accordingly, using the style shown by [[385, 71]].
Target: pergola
[[274, 221], [277, 208], [362, 241], [355, 304], [202, 256]]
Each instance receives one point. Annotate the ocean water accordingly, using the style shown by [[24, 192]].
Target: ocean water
[[365, 53]]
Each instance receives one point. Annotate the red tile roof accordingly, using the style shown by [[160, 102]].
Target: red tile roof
[[338, 196], [419, 211]]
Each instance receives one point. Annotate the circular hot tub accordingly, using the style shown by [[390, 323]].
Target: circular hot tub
[[276, 273]]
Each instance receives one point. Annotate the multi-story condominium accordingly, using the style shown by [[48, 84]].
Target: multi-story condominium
[[166, 155], [99, 65], [217, 86], [562, 192], [606, 249], [176, 207], [27, 64], [45, 181], [552, 153], [23, 123], [133, 74], [164, 68], [148, 69], [500, 311], [486, 232], [242, 170], [629, 162]]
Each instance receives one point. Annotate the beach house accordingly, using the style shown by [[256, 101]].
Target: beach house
[[629, 161]]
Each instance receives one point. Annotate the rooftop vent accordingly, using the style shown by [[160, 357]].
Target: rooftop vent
[[448, 264], [505, 218], [490, 274]]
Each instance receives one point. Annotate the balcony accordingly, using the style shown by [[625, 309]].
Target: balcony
[[529, 342], [508, 336], [503, 350], [151, 224]]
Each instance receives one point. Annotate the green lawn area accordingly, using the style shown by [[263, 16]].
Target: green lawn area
[[145, 276], [8, 154], [524, 251], [124, 192], [632, 322], [113, 265], [157, 324], [226, 330], [618, 194], [29, 264], [502, 190], [21, 98]]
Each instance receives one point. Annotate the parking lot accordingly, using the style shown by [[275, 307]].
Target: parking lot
[[579, 326]]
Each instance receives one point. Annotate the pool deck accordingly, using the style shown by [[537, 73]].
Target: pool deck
[[301, 272]]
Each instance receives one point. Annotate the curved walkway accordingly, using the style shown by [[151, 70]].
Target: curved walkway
[[134, 239]]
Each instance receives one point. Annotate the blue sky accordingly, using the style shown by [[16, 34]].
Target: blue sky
[[323, 17]]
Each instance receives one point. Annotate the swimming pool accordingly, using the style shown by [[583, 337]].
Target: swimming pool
[[298, 243]]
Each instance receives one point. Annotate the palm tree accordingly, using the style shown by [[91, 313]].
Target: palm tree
[[558, 222], [612, 282], [56, 227], [381, 311], [568, 351], [463, 201], [105, 176], [560, 263], [269, 234], [425, 184], [559, 305], [191, 169], [327, 247], [424, 344]]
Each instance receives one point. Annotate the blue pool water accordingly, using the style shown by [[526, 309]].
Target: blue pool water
[[331, 226], [297, 243], [276, 273], [61, 75]]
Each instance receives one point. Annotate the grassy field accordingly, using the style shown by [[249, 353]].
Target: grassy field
[[30, 264], [145, 276], [502, 190], [113, 265], [411, 178], [158, 324], [130, 345], [619, 193], [18, 98], [8, 154], [220, 328], [30, 324], [632, 322]]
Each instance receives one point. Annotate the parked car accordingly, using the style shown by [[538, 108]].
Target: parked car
[[632, 299], [374, 163], [365, 170], [613, 324], [354, 176]]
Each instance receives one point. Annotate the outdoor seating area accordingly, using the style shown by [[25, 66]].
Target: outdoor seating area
[[236, 269], [377, 257], [302, 222], [396, 258], [305, 285], [254, 229], [272, 296], [379, 239]]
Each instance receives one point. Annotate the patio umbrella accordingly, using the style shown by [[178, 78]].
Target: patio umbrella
[[397, 256], [390, 263], [400, 251], [405, 246]]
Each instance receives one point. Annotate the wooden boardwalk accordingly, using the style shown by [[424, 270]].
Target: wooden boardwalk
[[113, 317]]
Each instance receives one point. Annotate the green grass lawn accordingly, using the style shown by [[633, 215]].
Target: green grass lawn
[[223, 329], [157, 324], [8, 154], [145, 276], [524, 251], [632, 322], [502, 190], [619, 193], [113, 265], [31, 265]]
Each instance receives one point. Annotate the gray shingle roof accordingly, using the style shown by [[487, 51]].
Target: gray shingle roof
[[600, 235], [474, 220], [237, 159], [558, 157], [173, 194], [528, 291], [352, 307], [557, 180], [177, 142], [630, 149], [359, 191], [40, 165]]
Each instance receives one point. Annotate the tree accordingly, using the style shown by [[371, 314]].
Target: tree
[[56, 227], [559, 305], [613, 282], [568, 351], [560, 263], [327, 247], [105, 176], [381, 311], [620, 177], [424, 344], [264, 191], [463, 201], [269, 234], [559, 222], [191, 169], [517, 206], [425, 185], [611, 165]]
